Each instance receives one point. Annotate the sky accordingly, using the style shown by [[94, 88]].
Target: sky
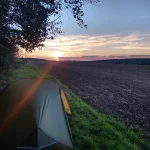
[[116, 29]]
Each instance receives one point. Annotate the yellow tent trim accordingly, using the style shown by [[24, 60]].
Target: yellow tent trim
[[65, 102]]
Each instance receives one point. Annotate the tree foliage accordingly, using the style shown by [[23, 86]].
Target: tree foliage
[[27, 23]]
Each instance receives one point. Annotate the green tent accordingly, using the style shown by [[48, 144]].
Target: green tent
[[32, 116]]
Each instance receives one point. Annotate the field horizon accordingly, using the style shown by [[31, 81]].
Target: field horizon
[[136, 61]]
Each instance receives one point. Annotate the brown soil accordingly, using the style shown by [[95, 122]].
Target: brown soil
[[120, 90]]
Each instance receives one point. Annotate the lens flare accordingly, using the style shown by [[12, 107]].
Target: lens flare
[[15, 110], [56, 55]]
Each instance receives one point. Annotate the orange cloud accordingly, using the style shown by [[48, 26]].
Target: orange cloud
[[102, 45]]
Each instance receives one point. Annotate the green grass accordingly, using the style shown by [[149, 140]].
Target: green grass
[[94, 131], [90, 130], [25, 71]]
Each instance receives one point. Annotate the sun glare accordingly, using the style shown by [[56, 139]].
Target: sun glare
[[57, 55]]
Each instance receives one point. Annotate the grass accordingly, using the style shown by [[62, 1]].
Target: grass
[[90, 130], [25, 71], [94, 131]]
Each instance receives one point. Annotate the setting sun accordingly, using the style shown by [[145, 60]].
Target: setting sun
[[57, 55]]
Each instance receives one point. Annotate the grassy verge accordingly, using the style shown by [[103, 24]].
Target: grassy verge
[[91, 130]]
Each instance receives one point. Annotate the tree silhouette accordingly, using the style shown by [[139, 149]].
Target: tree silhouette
[[27, 23], [30, 22]]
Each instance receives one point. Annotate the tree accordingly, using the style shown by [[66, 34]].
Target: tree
[[30, 22], [8, 47], [27, 23]]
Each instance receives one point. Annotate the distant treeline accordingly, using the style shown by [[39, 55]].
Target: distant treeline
[[134, 61], [137, 61]]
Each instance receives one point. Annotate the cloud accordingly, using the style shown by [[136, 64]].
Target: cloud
[[89, 56], [145, 17], [103, 45]]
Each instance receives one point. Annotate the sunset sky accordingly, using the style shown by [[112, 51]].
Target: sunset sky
[[116, 29]]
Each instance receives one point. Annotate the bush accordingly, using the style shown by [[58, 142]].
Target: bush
[[7, 55]]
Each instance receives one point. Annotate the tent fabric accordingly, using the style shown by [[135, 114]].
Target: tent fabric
[[33, 117]]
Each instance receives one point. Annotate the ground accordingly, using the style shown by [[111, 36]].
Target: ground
[[120, 90], [90, 130]]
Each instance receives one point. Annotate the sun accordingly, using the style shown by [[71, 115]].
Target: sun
[[57, 55]]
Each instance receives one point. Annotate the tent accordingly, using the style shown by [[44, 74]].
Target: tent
[[33, 116]]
